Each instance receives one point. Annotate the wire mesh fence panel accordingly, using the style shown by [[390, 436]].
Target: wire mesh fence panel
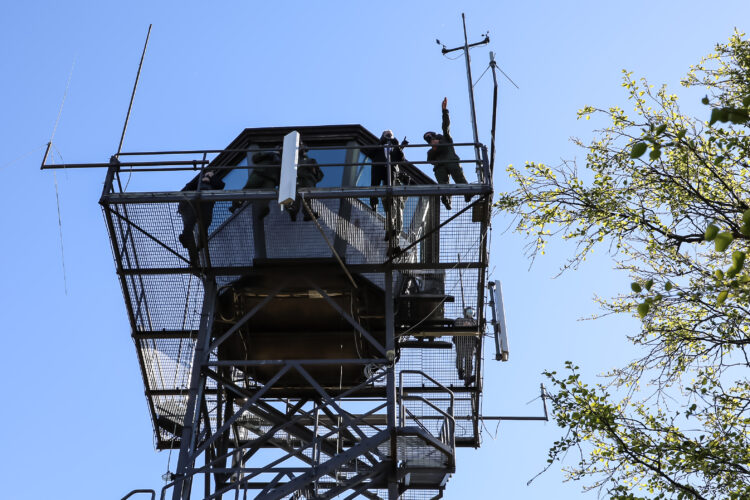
[[160, 302]]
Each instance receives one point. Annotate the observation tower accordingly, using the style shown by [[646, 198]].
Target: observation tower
[[320, 339], [333, 356]]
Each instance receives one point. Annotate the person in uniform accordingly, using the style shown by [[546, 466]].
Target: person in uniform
[[193, 212], [465, 348], [265, 175], [443, 157], [388, 154], [309, 174]]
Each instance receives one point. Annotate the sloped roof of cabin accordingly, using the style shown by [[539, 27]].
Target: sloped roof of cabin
[[315, 135]]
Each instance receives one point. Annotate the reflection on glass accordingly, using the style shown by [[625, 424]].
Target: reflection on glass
[[362, 175], [237, 177], [331, 175]]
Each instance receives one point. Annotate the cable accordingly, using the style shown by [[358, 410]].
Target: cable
[[480, 76], [59, 225], [65, 94], [454, 58], [11, 162], [57, 191]]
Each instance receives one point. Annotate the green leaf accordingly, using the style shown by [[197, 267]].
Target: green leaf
[[745, 229], [711, 231], [648, 284], [681, 133], [660, 129], [732, 271], [705, 100], [722, 297], [738, 259], [638, 149], [723, 240], [655, 153], [635, 287], [719, 274], [668, 286], [746, 101], [643, 309], [746, 217]]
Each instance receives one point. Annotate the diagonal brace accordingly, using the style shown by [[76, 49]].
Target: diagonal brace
[[348, 318]]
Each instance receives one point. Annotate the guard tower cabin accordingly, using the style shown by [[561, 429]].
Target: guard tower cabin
[[309, 358]]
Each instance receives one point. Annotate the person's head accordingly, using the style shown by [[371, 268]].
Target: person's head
[[432, 138], [207, 176], [469, 312], [387, 135]]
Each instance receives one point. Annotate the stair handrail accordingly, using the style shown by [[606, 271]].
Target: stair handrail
[[134, 492], [448, 416]]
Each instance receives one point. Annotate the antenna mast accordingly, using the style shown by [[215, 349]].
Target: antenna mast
[[465, 47], [132, 96]]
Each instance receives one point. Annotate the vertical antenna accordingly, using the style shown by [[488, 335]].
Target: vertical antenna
[[132, 96], [471, 95], [465, 47], [493, 65]]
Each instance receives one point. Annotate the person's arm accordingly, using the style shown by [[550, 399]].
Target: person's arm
[[446, 122], [217, 183], [317, 171]]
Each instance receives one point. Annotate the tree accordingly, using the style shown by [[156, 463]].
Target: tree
[[668, 196]]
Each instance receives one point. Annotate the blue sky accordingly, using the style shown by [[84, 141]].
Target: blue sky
[[75, 419]]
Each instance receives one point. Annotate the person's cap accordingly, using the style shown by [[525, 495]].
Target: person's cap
[[428, 136]]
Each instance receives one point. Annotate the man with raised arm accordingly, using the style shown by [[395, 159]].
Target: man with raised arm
[[443, 156]]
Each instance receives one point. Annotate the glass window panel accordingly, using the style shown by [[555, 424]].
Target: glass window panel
[[332, 176], [236, 178], [362, 175]]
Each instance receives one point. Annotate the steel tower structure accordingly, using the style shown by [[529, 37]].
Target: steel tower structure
[[306, 359]]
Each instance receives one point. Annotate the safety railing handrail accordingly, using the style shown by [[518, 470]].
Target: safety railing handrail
[[134, 492], [448, 416]]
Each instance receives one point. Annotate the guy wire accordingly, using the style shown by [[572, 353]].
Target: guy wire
[[57, 191]]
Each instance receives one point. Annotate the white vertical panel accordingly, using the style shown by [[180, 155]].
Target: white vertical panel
[[289, 158]]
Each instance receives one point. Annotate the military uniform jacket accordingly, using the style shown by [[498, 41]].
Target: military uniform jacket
[[377, 154], [215, 183], [444, 155], [268, 158], [308, 172]]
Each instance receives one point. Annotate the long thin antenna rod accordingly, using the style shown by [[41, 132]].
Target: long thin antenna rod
[[493, 65], [59, 113], [471, 94], [132, 96]]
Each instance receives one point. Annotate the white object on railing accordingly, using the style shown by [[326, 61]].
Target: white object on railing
[[289, 160], [504, 349]]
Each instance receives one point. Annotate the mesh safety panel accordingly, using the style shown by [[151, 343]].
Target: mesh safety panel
[[163, 295]]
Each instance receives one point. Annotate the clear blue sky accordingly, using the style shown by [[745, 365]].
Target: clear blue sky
[[74, 416]]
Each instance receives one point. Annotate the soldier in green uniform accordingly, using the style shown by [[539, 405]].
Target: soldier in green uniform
[[309, 174], [443, 156]]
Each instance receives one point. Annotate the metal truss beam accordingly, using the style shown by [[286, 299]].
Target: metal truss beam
[[310, 193], [329, 466], [354, 268]]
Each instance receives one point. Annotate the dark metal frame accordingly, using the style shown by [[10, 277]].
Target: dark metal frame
[[330, 449]]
